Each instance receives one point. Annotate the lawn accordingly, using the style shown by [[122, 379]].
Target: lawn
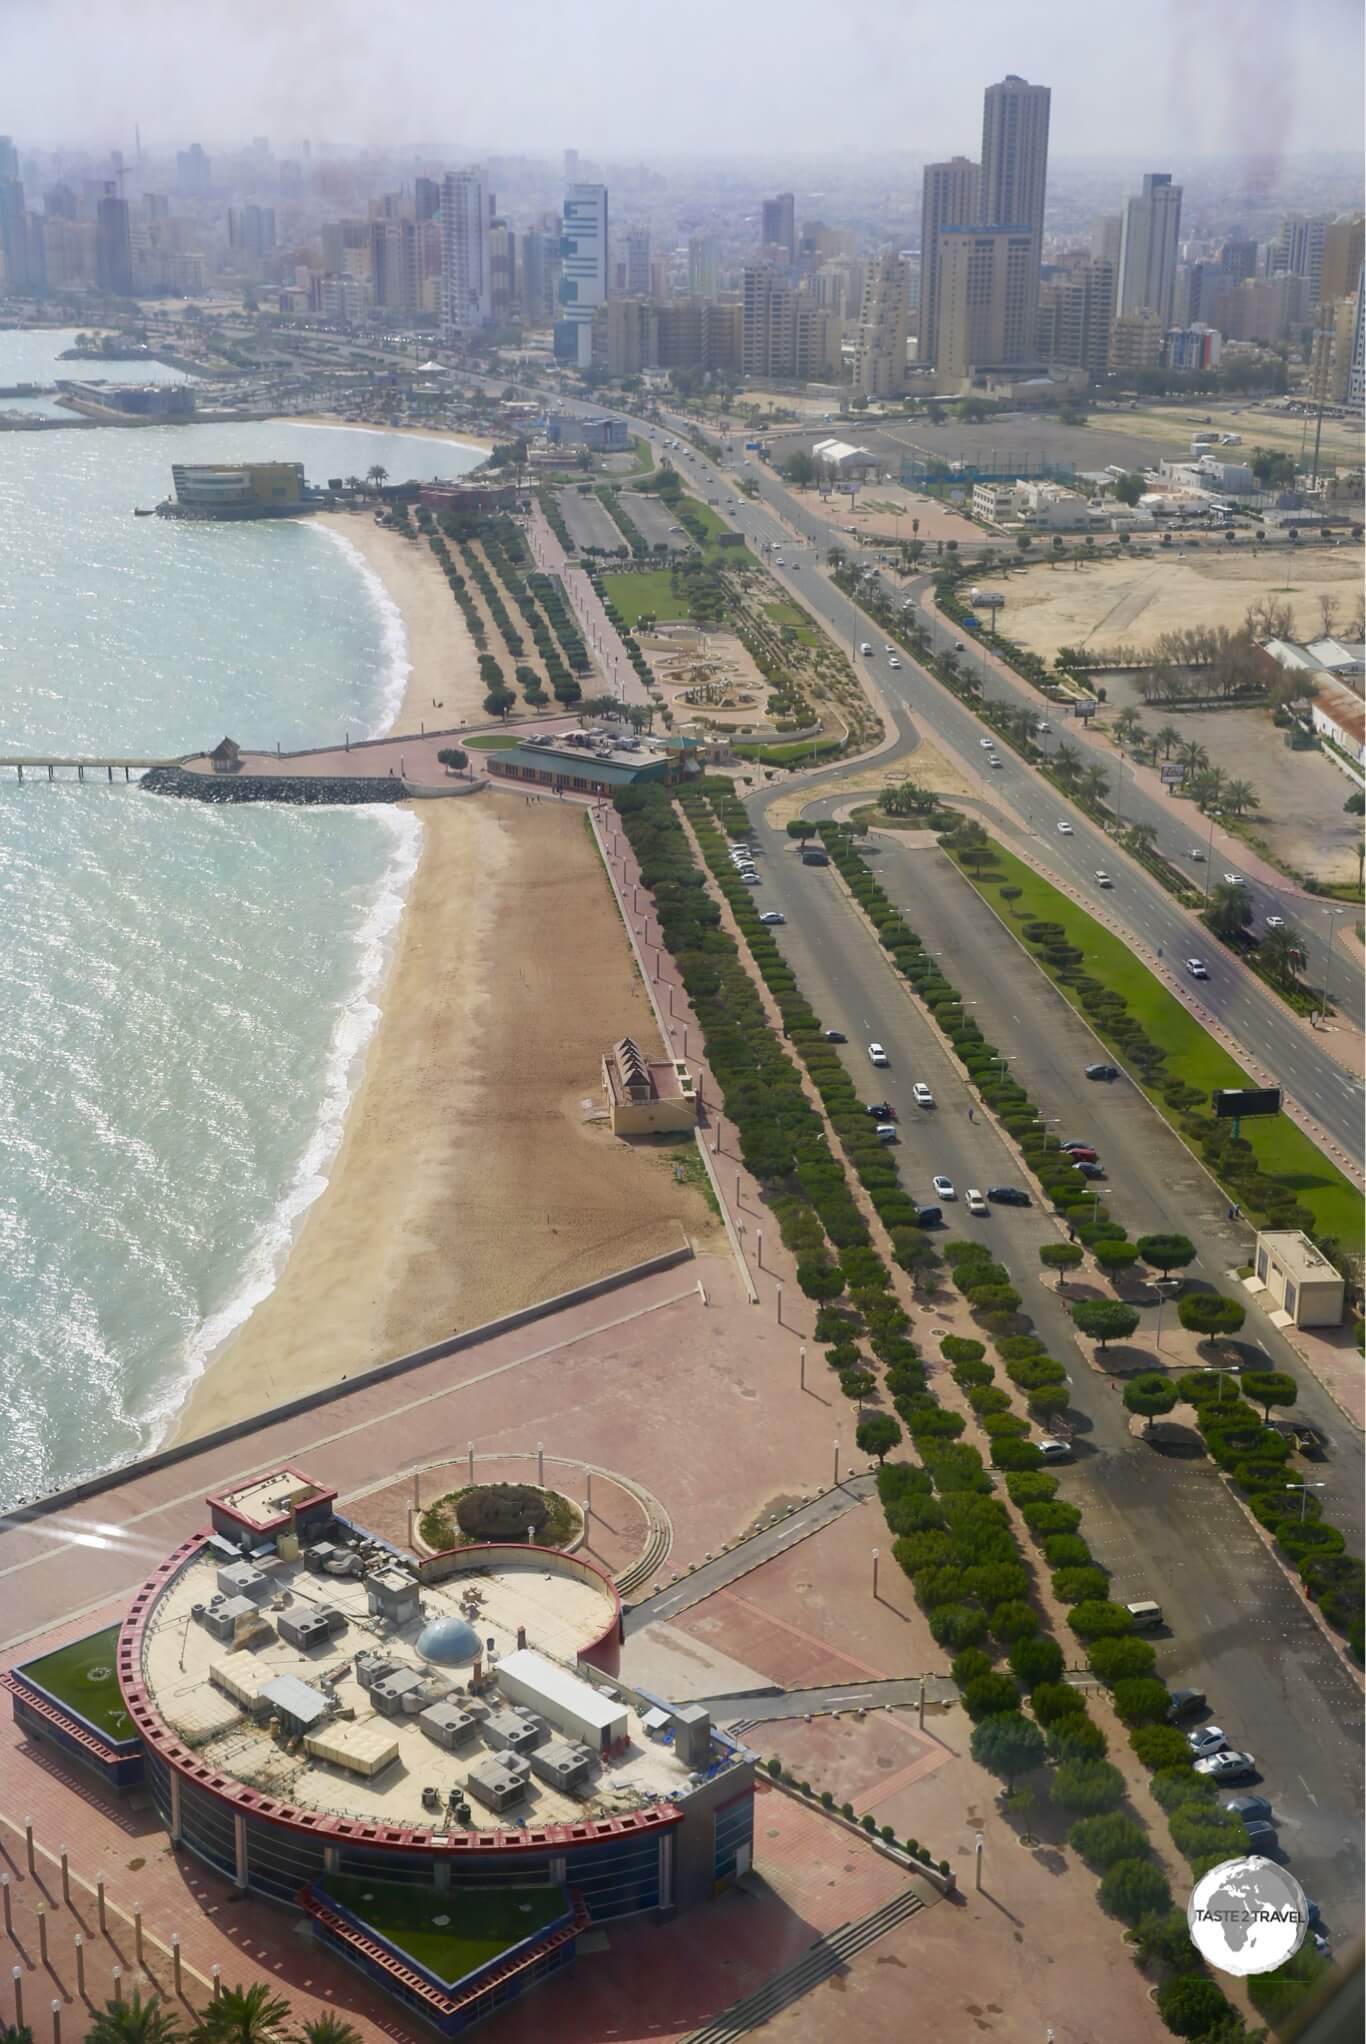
[[649, 594], [713, 521], [82, 1677], [1283, 1151], [791, 614], [448, 1931], [491, 741]]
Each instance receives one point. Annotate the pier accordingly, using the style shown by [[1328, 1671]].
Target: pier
[[36, 763]]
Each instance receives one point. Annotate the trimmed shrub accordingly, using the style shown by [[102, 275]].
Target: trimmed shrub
[[1096, 1618], [1133, 1888], [1157, 1745], [1142, 1700], [1101, 1841], [1035, 1660], [1113, 1658], [1090, 1787]]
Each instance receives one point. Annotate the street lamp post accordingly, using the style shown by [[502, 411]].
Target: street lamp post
[[1333, 914], [1304, 1490], [1209, 854]]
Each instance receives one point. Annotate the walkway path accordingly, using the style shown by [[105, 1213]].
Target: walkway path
[[598, 630]]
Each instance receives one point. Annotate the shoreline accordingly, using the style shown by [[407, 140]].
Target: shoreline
[[336, 424]]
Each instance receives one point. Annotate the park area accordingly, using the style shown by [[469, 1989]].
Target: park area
[[1281, 1150], [1131, 601], [448, 1931]]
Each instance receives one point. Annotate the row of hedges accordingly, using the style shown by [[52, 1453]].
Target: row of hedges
[[549, 593], [549, 504], [455, 582], [611, 502], [912, 1847], [618, 623]]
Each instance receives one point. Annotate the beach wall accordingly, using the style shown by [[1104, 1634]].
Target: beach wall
[[295, 788]]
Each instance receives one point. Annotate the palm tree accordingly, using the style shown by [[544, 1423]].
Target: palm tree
[[328, 2030], [378, 473], [1067, 762], [1095, 785], [1241, 795], [1282, 954], [1193, 757], [242, 2015], [134, 2022], [1127, 724], [1230, 909], [1167, 737], [1208, 788], [1142, 836]]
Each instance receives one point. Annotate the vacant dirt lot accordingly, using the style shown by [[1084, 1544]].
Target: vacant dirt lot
[[1130, 602]]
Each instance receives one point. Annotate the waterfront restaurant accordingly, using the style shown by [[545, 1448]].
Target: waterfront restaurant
[[580, 763]]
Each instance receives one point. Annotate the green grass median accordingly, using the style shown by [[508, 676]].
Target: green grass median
[[449, 1931], [1282, 1150]]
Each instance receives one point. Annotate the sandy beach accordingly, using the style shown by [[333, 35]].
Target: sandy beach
[[469, 1180], [334, 420]]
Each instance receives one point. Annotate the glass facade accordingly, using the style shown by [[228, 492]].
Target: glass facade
[[734, 1833]]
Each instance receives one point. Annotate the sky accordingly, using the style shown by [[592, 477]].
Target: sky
[[652, 78]]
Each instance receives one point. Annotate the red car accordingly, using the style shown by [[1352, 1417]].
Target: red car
[[1080, 1154]]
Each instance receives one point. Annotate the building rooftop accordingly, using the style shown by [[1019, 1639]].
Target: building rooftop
[[263, 1505], [334, 1728], [1298, 1257]]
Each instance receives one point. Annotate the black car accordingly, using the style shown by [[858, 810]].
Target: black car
[[1102, 1071], [1089, 1170], [836, 1036], [929, 1217], [882, 1110], [1186, 1703], [1007, 1196]]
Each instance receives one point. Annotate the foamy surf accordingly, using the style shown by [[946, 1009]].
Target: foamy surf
[[397, 665]]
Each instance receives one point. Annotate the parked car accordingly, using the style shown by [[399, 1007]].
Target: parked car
[[1065, 830], [1007, 1196], [1079, 1147], [877, 1055], [1186, 1703], [1263, 1838], [882, 1111], [1209, 1739], [773, 916], [1197, 968], [921, 1094], [1088, 1167], [1301, 1436], [1252, 1809], [1054, 1450], [974, 1201], [836, 1036], [887, 1132], [1226, 1765], [944, 1188], [1102, 1071], [928, 1217]]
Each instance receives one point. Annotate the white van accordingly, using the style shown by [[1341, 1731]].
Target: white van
[[1145, 1614], [865, 647]]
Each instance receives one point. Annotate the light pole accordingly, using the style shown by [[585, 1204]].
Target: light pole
[[1304, 1490], [1333, 914], [1209, 854]]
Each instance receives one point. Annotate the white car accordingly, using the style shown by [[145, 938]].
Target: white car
[[877, 1055], [944, 1188], [894, 663], [1206, 1740], [889, 649], [921, 1094], [1064, 830], [887, 1132], [1104, 880], [1234, 880], [1226, 1766], [995, 764], [773, 916], [974, 1201], [1054, 1450], [985, 744], [1275, 922], [1197, 968]]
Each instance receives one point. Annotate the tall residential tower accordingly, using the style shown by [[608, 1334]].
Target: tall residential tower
[[583, 272], [1015, 174], [1148, 249], [949, 200], [465, 301]]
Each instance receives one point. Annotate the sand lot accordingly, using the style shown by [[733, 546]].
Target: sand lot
[[873, 511], [1130, 602]]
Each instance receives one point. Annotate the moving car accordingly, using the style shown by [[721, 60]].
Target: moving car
[[1234, 880], [836, 1036], [1197, 968], [943, 1188], [959, 647], [1209, 1739], [1104, 880], [921, 1094], [773, 916], [985, 744], [1054, 1450], [865, 647], [1007, 1196], [994, 763], [894, 663], [1065, 830], [1196, 854], [877, 1055], [975, 1202], [1186, 1703], [882, 1110], [1102, 1071], [1252, 1809], [1275, 922], [1226, 1766]]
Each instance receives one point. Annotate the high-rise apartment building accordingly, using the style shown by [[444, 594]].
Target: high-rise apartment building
[[1298, 250], [880, 342], [1356, 368], [1137, 341], [779, 224], [1344, 244], [1076, 318], [949, 198], [502, 270], [251, 231], [14, 237], [1106, 232], [194, 173], [540, 272], [1014, 175], [583, 272], [346, 247], [464, 252], [638, 262], [113, 245], [785, 336], [988, 299], [703, 267], [426, 198], [9, 160], [1149, 247], [396, 265]]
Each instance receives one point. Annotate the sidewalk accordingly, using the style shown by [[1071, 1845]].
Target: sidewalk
[[600, 634]]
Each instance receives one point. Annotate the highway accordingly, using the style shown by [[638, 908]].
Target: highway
[[1164, 1523], [1271, 1038]]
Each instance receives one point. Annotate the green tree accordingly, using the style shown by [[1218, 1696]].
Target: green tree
[[1230, 909], [1095, 785], [1272, 469], [1105, 1320], [1142, 1700], [1097, 1618], [1192, 756], [1240, 796], [1166, 1252], [1101, 1841], [989, 1696], [1190, 2004], [1279, 1995], [1088, 1787], [498, 702], [878, 1434], [1269, 1387], [1129, 488], [330, 2029], [454, 757], [1167, 737], [1149, 1394], [1061, 1257], [242, 2015], [1067, 762], [857, 1385], [1127, 724], [800, 469], [134, 2021], [378, 474], [1210, 1313], [800, 829], [1008, 1746], [1281, 954], [1112, 1253]]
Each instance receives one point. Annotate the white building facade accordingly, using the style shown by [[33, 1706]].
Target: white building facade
[[465, 297]]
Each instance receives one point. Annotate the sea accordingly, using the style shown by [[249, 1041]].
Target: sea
[[187, 991]]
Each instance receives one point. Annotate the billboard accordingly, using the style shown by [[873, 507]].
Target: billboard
[[1237, 1103], [1173, 775]]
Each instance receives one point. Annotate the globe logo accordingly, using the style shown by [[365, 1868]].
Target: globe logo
[[1247, 1916]]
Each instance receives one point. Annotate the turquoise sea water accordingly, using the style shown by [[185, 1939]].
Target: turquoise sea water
[[188, 991]]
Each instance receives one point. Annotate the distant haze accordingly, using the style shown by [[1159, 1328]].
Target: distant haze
[[1181, 78]]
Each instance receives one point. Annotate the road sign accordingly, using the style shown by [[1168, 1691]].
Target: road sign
[[1238, 1103], [1173, 775]]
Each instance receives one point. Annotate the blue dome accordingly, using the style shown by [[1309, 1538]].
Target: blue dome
[[448, 1641]]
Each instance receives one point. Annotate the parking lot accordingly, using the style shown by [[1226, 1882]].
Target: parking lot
[[588, 523], [654, 517]]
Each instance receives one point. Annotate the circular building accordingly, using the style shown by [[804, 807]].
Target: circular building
[[323, 1715]]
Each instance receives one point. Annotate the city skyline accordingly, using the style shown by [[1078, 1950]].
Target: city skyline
[[1270, 95]]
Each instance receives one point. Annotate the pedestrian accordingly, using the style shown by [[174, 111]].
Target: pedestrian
[[1230, 1213], [1071, 1234], [971, 1115]]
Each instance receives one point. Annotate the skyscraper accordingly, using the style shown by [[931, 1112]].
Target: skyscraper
[[1076, 318], [9, 159], [1148, 248], [1015, 173], [703, 281], [1298, 249], [988, 299], [583, 272], [426, 198], [780, 224], [194, 173], [880, 342], [464, 252], [950, 199], [14, 243], [638, 262], [113, 245]]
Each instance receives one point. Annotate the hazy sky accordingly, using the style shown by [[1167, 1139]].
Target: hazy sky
[[672, 77]]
